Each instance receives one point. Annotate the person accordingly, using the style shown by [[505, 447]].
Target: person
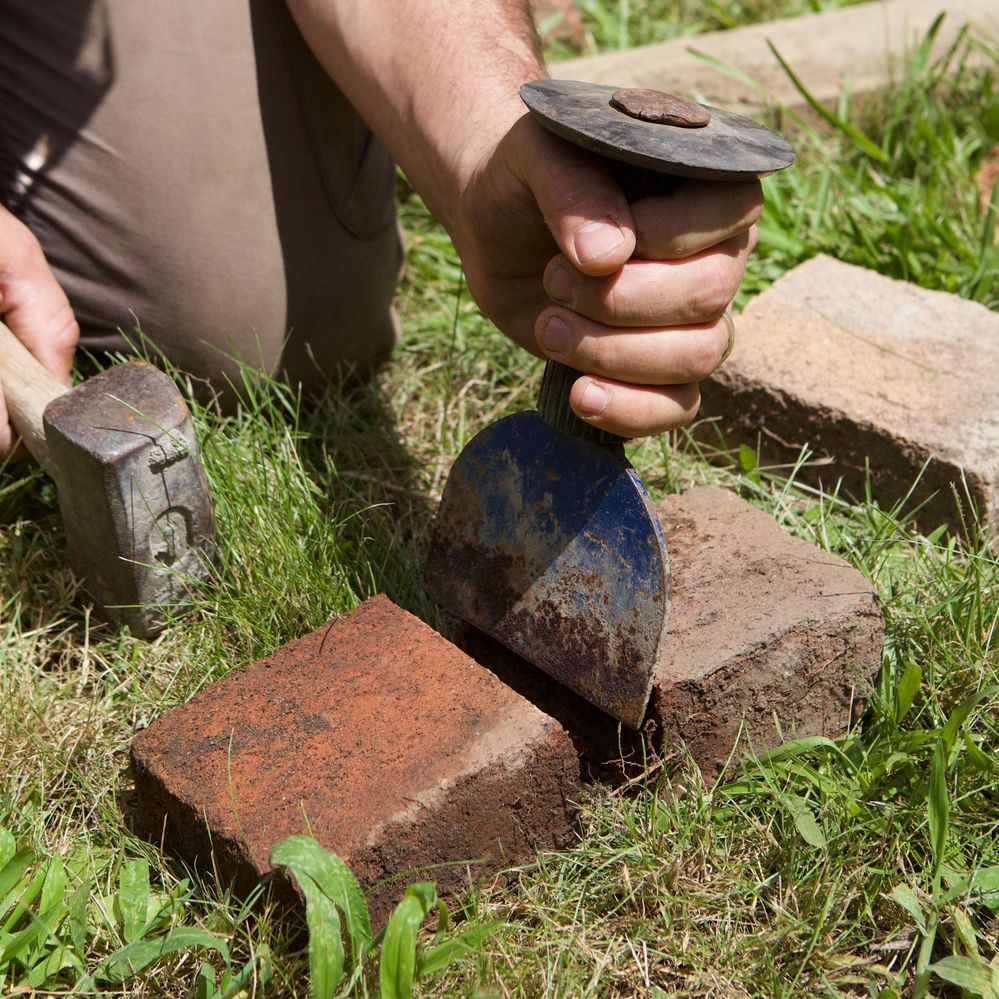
[[221, 177]]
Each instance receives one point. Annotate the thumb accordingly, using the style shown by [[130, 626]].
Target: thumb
[[584, 209]]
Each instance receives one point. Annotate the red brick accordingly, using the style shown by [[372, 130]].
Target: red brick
[[867, 371], [765, 629], [395, 749]]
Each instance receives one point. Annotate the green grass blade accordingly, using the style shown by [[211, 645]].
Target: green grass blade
[[25, 898], [439, 957], [22, 941], [10, 876], [241, 983], [847, 128], [938, 804]]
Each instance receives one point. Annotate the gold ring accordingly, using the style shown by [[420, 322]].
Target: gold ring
[[730, 323]]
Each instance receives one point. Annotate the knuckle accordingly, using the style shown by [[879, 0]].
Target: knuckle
[[67, 331], [705, 356], [691, 403], [686, 400], [604, 300], [716, 287]]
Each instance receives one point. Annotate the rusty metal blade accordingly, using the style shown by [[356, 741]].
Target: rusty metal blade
[[551, 545]]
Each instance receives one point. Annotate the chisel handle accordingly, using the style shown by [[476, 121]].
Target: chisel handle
[[27, 389]]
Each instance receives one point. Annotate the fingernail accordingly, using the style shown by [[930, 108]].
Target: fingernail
[[560, 285], [556, 335], [594, 400], [595, 239]]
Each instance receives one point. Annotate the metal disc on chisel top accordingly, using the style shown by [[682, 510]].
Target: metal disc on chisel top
[[729, 147]]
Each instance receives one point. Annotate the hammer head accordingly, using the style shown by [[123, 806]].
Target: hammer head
[[139, 520]]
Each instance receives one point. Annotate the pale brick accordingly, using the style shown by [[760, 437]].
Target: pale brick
[[867, 371], [865, 44]]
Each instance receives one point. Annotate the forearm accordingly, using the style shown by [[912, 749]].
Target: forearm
[[437, 81]]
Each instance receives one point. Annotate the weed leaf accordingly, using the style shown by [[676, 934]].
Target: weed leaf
[[904, 896], [78, 918], [328, 886], [980, 762], [133, 898], [54, 885], [206, 984], [960, 714], [397, 970], [7, 846], [964, 972], [326, 955], [804, 820], [907, 689]]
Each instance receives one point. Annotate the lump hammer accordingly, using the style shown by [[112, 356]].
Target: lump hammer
[[134, 499], [546, 538]]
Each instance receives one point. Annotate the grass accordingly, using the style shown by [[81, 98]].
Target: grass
[[862, 867], [610, 25], [901, 200]]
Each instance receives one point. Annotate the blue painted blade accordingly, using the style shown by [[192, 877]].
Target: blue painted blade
[[551, 545]]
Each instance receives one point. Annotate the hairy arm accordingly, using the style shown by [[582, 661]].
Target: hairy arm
[[436, 80], [630, 295]]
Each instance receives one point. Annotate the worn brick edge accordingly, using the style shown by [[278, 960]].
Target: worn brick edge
[[736, 410], [223, 858]]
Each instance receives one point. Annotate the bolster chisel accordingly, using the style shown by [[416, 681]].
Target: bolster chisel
[[546, 538]]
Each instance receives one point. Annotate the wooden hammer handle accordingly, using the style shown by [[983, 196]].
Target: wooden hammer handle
[[27, 388]]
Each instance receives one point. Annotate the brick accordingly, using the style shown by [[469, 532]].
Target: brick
[[863, 369], [765, 630], [865, 44], [395, 749]]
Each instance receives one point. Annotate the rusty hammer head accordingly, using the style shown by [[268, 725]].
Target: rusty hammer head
[[134, 498]]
